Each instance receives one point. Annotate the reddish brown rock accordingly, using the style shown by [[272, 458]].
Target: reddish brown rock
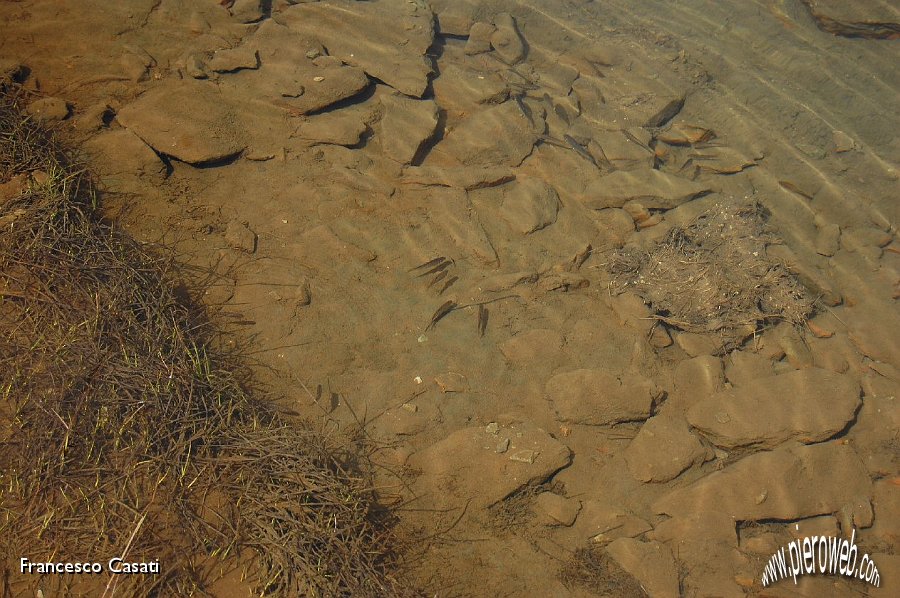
[[48, 109], [466, 467], [536, 345], [651, 563], [662, 449], [119, 155], [387, 39], [808, 405], [596, 397], [406, 127], [791, 482], [529, 204], [553, 509], [500, 135], [652, 188], [188, 120], [292, 74]]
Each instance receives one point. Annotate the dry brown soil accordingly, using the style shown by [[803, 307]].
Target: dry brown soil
[[310, 155]]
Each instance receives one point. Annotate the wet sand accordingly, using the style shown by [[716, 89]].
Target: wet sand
[[409, 212]]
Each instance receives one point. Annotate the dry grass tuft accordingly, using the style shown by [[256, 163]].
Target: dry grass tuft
[[123, 433], [592, 569], [713, 276]]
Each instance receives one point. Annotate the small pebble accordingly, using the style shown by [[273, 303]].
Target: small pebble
[[523, 456]]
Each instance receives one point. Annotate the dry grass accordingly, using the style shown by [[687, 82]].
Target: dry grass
[[714, 276], [592, 569], [122, 432]]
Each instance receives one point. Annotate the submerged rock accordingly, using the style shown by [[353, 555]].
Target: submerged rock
[[388, 39], [662, 449], [596, 397], [791, 482], [506, 39], [288, 78], [529, 205], [407, 126], [862, 18], [120, 154], [48, 109], [651, 563], [188, 120], [652, 188], [500, 135], [808, 405], [466, 467]]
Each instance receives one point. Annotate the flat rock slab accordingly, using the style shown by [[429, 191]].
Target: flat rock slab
[[533, 347], [553, 509], [651, 188], [189, 120], [227, 60], [337, 128], [495, 136], [878, 19], [651, 563], [791, 482], [867, 325], [808, 405], [449, 224], [602, 522], [460, 89], [292, 75], [467, 465], [456, 17], [386, 38], [406, 126], [596, 397], [464, 177], [529, 204], [120, 154], [48, 109], [663, 448]]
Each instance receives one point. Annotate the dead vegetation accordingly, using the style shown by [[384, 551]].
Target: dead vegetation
[[594, 570], [123, 433], [713, 276]]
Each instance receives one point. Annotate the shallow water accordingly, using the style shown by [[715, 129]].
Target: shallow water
[[526, 177]]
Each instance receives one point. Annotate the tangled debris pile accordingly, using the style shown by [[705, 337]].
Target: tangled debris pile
[[124, 433], [714, 276]]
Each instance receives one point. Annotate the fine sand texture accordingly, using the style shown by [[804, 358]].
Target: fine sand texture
[[612, 283]]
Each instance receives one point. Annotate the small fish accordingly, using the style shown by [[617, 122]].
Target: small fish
[[442, 311], [794, 189], [441, 276], [553, 141], [580, 149], [482, 319], [561, 113], [428, 264], [630, 136], [448, 284], [525, 109], [439, 268], [582, 257]]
